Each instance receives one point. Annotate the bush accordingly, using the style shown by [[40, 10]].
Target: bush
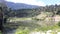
[[58, 23], [0, 32], [22, 31]]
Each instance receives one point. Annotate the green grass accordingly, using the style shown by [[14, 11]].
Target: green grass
[[21, 30], [16, 18], [26, 28]]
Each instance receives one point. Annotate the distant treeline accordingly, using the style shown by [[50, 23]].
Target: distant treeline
[[55, 9]]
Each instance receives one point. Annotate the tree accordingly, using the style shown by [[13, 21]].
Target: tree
[[58, 12], [1, 20]]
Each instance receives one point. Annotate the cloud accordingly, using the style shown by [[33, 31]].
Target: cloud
[[31, 2], [58, 3]]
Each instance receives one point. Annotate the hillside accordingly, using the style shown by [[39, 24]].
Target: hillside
[[54, 9], [20, 5]]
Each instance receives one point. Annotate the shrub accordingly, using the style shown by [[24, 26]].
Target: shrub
[[22, 31], [58, 23], [0, 32]]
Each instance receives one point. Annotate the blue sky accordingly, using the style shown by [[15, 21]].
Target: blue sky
[[49, 2], [37, 2]]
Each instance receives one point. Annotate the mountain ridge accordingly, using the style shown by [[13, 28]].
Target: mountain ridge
[[20, 5]]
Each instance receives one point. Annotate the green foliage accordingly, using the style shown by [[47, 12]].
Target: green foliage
[[58, 12], [58, 23], [35, 19], [0, 32], [22, 31], [46, 28]]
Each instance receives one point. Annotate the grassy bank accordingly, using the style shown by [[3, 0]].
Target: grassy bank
[[26, 26]]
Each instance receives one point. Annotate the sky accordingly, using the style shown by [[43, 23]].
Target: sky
[[37, 2]]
